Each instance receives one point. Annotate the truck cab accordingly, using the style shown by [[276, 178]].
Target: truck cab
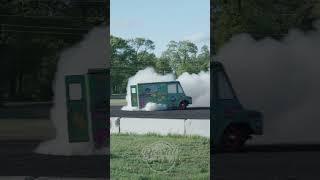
[[232, 124], [170, 94]]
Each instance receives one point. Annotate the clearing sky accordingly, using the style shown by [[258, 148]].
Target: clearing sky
[[161, 21]]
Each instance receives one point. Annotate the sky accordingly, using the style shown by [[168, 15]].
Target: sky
[[161, 21]]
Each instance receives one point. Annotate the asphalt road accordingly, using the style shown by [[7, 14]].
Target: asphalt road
[[280, 162], [17, 159], [190, 113], [42, 111]]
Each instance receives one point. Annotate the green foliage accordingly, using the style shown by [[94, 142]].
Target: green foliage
[[130, 56], [162, 66], [179, 54], [261, 18], [31, 39]]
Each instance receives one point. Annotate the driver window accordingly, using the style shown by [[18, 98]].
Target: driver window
[[180, 89]]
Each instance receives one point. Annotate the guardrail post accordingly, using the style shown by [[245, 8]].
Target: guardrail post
[[117, 123], [184, 129]]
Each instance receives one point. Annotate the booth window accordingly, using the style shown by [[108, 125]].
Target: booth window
[[75, 92]]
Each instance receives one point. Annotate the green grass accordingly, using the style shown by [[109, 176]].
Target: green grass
[[191, 160], [118, 102]]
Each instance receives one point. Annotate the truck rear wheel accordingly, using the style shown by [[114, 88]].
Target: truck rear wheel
[[183, 105], [234, 138]]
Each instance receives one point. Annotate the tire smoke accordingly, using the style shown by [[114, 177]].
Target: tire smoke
[[195, 85], [279, 78], [89, 53]]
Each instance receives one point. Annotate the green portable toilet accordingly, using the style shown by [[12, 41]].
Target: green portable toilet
[[87, 98]]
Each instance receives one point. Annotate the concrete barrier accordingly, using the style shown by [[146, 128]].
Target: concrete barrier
[[199, 127]]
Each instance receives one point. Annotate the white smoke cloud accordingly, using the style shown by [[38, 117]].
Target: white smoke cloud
[[198, 87], [154, 107], [90, 53], [145, 76], [195, 85], [279, 78]]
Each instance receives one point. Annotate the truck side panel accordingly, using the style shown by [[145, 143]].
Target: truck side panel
[[153, 92]]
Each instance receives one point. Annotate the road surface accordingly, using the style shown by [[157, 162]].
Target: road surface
[[17, 159], [266, 162], [190, 113], [42, 111]]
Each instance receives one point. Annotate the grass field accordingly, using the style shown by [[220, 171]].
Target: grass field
[[153, 156], [118, 102]]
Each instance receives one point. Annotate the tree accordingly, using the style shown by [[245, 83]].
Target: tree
[[179, 54], [261, 18], [204, 58], [30, 48], [162, 66], [128, 57], [122, 61], [143, 52]]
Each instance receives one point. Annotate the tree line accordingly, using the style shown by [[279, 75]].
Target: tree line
[[32, 35], [260, 18], [128, 56]]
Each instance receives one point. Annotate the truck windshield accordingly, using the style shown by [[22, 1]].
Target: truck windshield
[[180, 90], [224, 88]]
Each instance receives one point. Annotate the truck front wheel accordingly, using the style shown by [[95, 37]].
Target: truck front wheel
[[183, 105], [234, 138]]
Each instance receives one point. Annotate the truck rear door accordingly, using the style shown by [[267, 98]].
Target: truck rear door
[[172, 95], [134, 98]]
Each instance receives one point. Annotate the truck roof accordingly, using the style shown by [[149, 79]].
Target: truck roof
[[160, 82], [97, 70]]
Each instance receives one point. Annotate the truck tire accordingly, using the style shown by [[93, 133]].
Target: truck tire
[[183, 105], [234, 138]]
